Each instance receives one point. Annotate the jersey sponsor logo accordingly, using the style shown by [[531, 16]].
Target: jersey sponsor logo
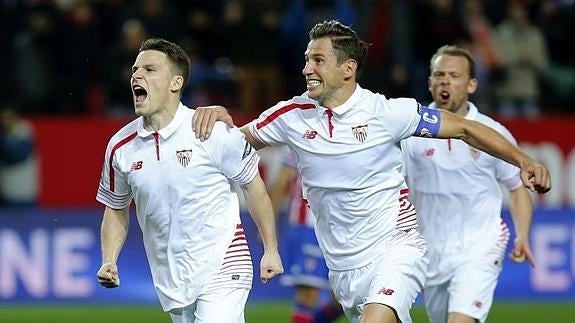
[[386, 291], [247, 150], [310, 134], [184, 157], [360, 132], [137, 165]]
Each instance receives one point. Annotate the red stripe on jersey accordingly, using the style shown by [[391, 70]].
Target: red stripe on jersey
[[281, 111], [116, 147], [302, 212], [406, 218]]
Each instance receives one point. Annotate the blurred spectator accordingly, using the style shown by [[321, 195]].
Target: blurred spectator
[[159, 18], [251, 29], [201, 19], [482, 46], [523, 52], [35, 61], [388, 30], [79, 54], [436, 23], [298, 18], [557, 20], [119, 60], [18, 162], [207, 83]]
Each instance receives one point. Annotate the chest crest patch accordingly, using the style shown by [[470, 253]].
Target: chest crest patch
[[360, 132], [184, 157]]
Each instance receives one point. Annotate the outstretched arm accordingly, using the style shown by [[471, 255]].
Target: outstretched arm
[[521, 207], [534, 175], [260, 208], [113, 232]]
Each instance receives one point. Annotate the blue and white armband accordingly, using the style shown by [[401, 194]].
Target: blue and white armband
[[429, 123]]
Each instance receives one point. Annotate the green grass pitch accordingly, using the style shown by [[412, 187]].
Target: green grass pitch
[[255, 313]]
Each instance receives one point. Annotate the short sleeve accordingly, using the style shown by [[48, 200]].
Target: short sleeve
[[113, 189], [232, 154], [402, 117]]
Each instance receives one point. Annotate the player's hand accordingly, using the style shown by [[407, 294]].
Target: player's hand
[[522, 251], [270, 266], [205, 117], [108, 275], [536, 177]]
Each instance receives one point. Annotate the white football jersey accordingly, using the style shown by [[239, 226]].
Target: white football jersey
[[455, 188], [350, 162], [185, 205]]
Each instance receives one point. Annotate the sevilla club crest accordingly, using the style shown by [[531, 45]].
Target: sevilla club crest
[[184, 156], [360, 132]]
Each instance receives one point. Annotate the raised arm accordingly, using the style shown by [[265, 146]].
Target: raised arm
[[534, 175], [260, 208], [113, 232]]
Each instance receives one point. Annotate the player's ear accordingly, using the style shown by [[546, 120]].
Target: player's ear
[[350, 68], [472, 86], [177, 83]]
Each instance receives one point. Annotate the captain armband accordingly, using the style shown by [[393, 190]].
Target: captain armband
[[429, 123]]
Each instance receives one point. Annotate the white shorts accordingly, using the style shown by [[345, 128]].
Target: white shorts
[[223, 299], [224, 305], [393, 279], [469, 290]]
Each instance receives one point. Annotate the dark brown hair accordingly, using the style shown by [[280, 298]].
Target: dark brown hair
[[344, 40], [176, 55]]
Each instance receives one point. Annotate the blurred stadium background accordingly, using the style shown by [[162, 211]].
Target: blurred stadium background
[[66, 66]]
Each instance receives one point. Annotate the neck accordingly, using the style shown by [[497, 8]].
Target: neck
[[463, 109], [161, 118], [340, 97]]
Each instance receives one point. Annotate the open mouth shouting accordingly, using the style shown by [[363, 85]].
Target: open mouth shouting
[[444, 96], [140, 94]]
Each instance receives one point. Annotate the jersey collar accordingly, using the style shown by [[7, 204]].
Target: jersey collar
[[352, 101], [471, 112], [170, 128]]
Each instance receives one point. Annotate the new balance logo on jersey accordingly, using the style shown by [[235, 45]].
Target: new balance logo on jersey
[[235, 277], [386, 291], [310, 134], [137, 165], [184, 156]]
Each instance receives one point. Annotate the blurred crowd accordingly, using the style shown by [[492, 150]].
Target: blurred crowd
[[74, 57]]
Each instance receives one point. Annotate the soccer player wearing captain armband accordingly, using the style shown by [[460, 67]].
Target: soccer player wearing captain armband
[[346, 142]]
